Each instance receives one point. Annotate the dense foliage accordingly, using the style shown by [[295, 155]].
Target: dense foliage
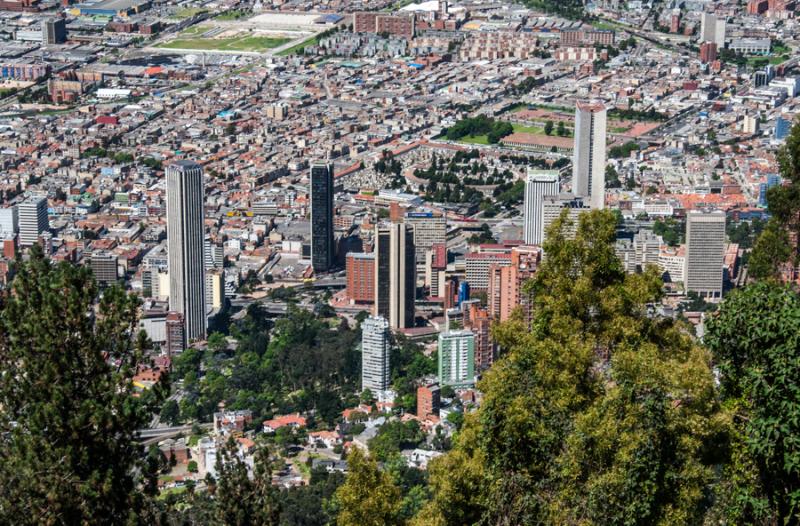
[[480, 125], [69, 417], [597, 414]]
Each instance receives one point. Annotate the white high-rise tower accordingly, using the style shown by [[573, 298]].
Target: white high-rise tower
[[185, 245], [539, 183], [375, 351], [589, 158]]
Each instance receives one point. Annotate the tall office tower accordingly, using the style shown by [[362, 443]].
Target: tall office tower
[[395, 274], [104, 268], [9, 220], [428, 231], [589, 157], [54, 31], [322, 217], [554, 205], [539, 183], [185, 250], [375, 351], [32, 220], [457, 358], [705, 252]]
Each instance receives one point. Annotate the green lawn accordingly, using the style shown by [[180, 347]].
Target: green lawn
[[188, 12], [233, 14], [299, 47], [195, 30], [478, 139], [237, 43]]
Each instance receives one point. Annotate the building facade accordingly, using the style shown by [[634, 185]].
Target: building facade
[[538, 184], [456, 358], [375, 351], [705, 252], [185, 245], [33, 220], [395, 274], [589, 155], [322, 217], [360, 268]]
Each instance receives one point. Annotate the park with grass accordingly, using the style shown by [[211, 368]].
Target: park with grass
[[200, 38]]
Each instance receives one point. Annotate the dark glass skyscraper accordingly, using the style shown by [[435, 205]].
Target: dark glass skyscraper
[[322, 217]]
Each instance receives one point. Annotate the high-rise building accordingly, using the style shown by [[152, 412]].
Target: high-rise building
[[395, 274], [457, 358], [185, 245], [436, 269], [54, 31], [428, 401], [712, 29], [215, 288], [429, 230], [705, 251], [322, 217], [782, 128], [375, 351], [9, 220], [539, 183], [476, 268], [104, 268], [708, 52], [360, 267], [506, 283], [478, 320], [554, 206], [33, 220], [589, 155]]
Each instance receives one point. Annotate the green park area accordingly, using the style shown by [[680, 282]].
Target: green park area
[[188, 12], [242, 42]]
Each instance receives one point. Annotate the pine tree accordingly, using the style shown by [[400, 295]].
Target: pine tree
[[69, 419]]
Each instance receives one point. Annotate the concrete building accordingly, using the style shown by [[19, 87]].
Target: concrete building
[[457, 358], [33, 220], [54, 31], [428, 401], [705, 250], [589, 156], [322, 217], [395, 274], [476, 268], [712, 29], [429, 229], [104, 267], [375, 351], [553, 206], [9, 220], [539, 183], [360, 267], [176, 334], [185, 245]]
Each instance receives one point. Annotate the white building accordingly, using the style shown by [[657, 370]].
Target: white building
[[33, 220], [552, 207], [705, 252], [589, 156], [539, 183], [712, 29], [457, 358], [9, 220], [185, 245], [375, 351]]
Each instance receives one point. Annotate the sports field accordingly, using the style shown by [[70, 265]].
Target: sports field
[[239, 42]]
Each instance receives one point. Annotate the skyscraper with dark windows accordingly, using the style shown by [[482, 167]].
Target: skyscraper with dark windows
[[185, 245], [322, 217], [395, 274]]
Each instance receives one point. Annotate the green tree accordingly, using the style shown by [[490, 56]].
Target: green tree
[[238, 499], [68, 451], [368, 496], [755, 341], [548, 128], [596, 414], [170, 412]]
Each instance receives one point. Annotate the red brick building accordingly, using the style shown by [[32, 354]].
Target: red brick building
[[360, 268], [428, 401], [396, 25], [708, 52]]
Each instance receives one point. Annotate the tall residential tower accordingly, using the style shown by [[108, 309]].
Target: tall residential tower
[[375, 351]]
